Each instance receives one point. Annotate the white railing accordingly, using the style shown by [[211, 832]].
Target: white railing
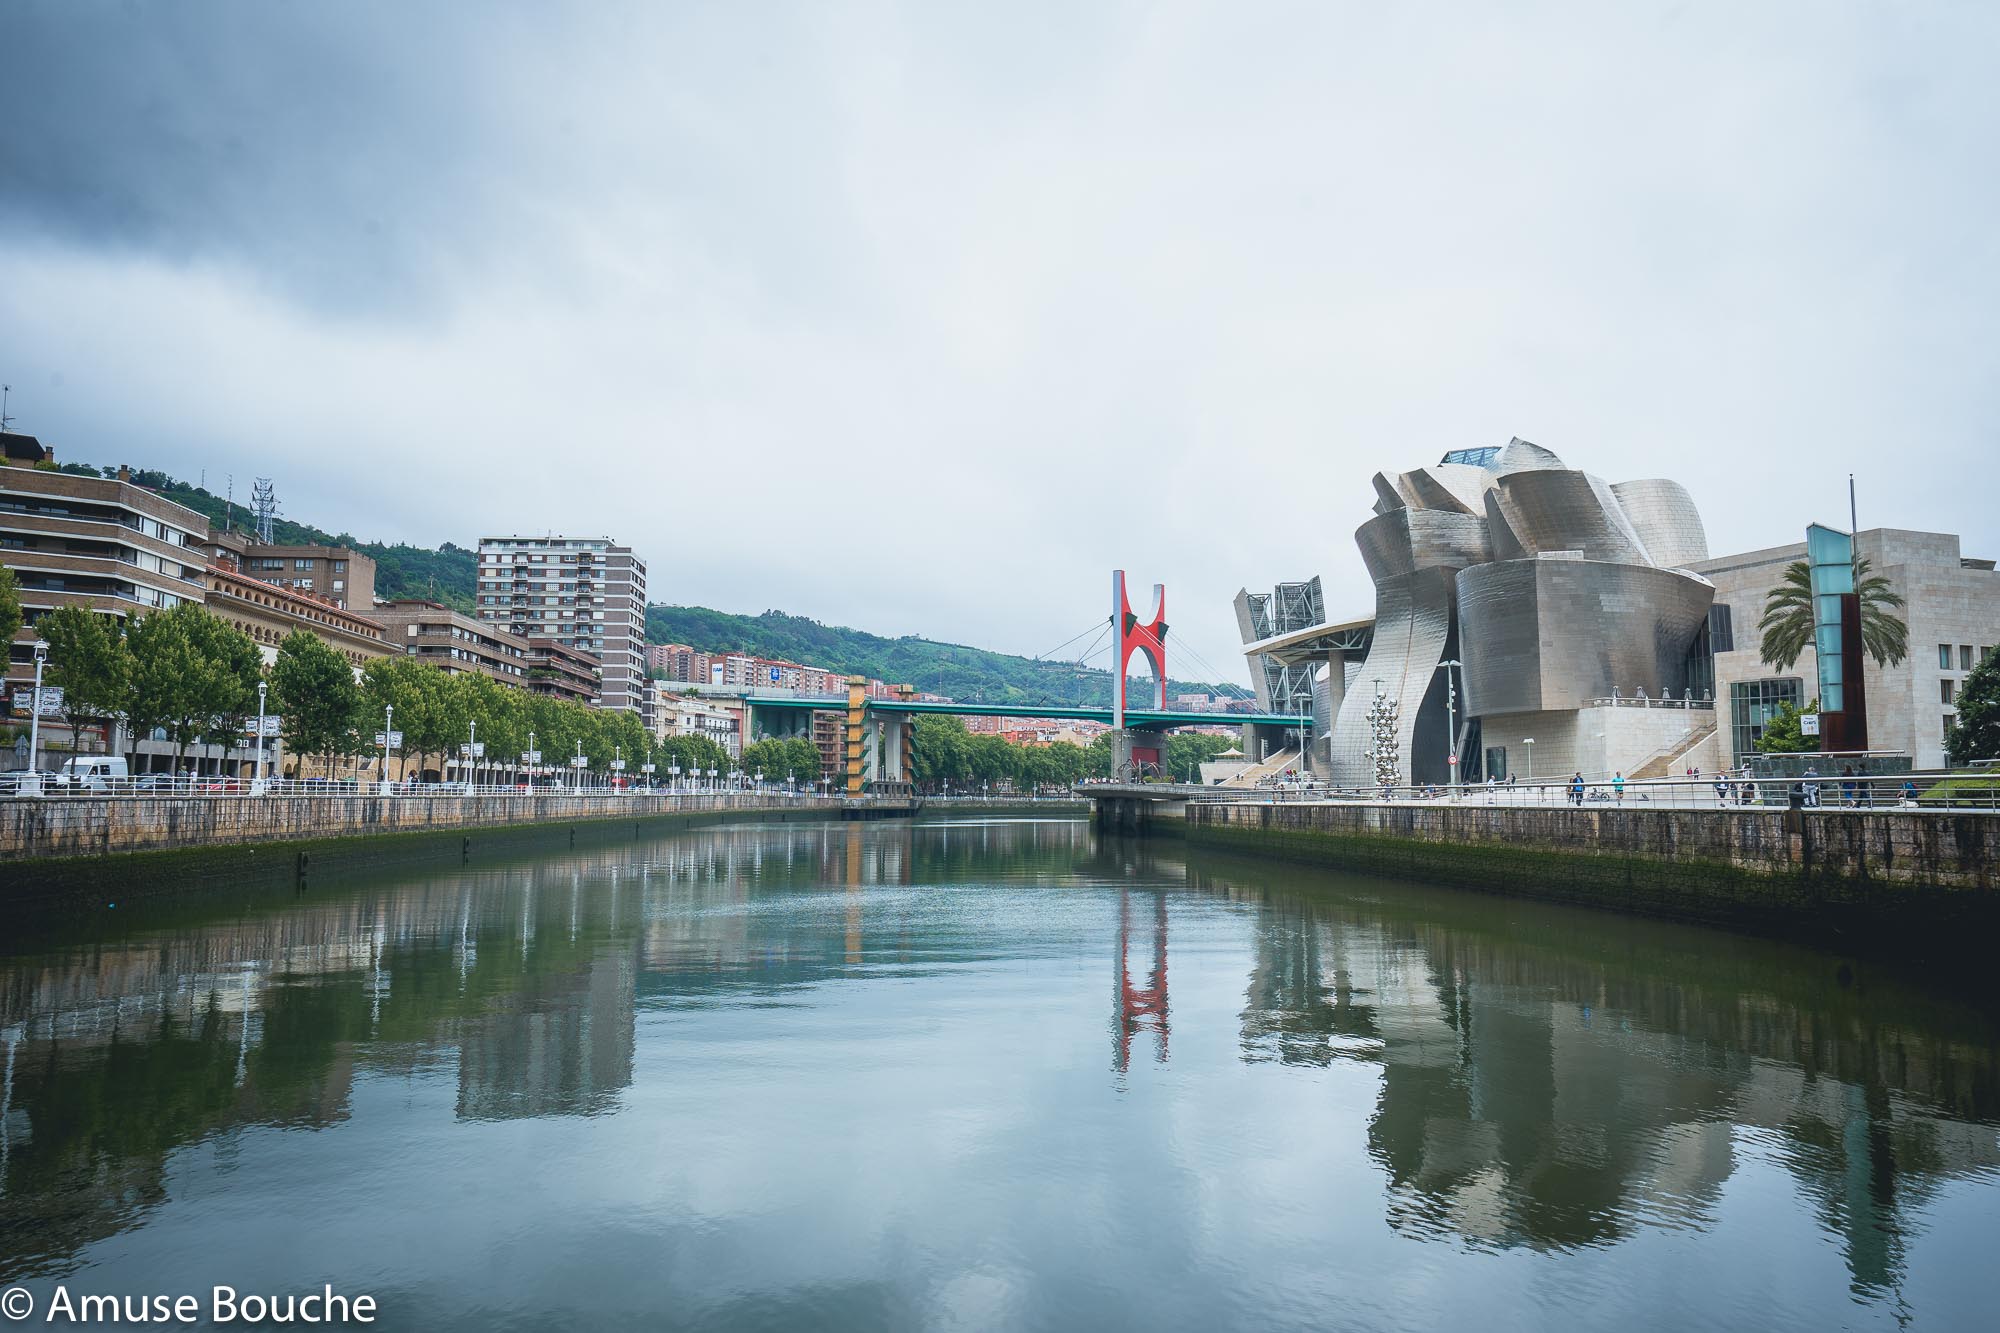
[[1927, 791], [55, 786]]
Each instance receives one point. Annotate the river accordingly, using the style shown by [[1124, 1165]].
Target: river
[[983, 1074]]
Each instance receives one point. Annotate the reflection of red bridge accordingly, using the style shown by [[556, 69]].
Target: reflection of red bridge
[[1140, 1008]]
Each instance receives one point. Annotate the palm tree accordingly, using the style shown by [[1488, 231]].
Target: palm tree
[[1787, 625]]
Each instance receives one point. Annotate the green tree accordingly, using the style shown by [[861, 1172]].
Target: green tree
[[10, 606], [1783, 734], [313, 689], [1975, 732], [88, 662], [223, 694], [1787, 623]]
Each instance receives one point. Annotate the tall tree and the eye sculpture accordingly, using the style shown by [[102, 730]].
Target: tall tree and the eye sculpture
[[1787, 623]]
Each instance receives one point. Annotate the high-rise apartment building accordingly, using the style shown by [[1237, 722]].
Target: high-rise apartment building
[[586, 593]]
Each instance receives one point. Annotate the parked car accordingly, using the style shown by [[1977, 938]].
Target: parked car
[[94, 773]]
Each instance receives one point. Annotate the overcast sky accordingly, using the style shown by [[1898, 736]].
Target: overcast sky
[[922, 318]]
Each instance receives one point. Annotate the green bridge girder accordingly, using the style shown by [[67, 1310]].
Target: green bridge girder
[[1135, 717]]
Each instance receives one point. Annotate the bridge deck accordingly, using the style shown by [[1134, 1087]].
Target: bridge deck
[[1138, 717]]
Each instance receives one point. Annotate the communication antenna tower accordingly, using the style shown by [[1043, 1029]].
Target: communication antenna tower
[[264, 504], [5, 389], [229, 506]]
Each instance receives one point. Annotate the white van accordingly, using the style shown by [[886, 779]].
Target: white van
[[93, 773]]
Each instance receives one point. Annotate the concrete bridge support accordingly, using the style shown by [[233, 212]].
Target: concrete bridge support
[[1137, 752]]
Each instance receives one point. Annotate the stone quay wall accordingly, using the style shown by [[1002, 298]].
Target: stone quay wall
[[107, 826], [1928, 880]]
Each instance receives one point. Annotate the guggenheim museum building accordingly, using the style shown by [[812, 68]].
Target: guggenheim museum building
[[1532, 620]]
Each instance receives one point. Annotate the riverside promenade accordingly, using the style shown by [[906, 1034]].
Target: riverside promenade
[[133, 844], [1921, 881]]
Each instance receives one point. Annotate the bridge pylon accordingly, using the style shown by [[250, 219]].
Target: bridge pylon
[[1134, 749]]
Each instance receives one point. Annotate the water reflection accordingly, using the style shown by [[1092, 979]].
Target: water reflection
[[1562, 1093], [1544, 1082]]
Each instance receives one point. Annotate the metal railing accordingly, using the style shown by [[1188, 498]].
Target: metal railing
[[55, 786], [1735, 791]]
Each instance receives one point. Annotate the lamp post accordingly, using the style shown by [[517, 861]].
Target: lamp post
[[1451, 715], [388, 735], [472, 752], [533, 762], [35, 715], [262, 688], [1529, 741], [578, 767]]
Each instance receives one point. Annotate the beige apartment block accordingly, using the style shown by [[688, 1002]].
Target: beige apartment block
[[1953, 614], [583, 593], [453, 641], [268, 613], [332, 573], [97, 542]]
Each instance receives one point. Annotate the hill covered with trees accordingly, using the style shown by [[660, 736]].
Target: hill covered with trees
[[448, 574], [964, 673]]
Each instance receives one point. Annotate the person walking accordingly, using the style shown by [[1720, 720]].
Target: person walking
[[1811, 786], [1576, 789], [1618, 786], [1847, 787]]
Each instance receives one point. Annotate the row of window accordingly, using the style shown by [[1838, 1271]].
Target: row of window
[[1967, 659]]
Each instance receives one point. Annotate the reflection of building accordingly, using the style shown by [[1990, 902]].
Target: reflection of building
[[1533, 1096], [560, 1044]]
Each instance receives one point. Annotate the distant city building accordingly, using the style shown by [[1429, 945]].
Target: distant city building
[[454, 641], [562, 672], [584, 593], [690, 715]]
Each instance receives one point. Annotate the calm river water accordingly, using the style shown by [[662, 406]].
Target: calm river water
[[985, 1075]]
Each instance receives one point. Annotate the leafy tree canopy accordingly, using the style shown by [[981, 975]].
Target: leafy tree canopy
[[1975, 733]]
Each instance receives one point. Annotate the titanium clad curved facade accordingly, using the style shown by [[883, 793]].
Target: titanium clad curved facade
[[1553, 587], [1666, 520], [1568, 511], [1404, 540], [1413, 628], [1556, 633]]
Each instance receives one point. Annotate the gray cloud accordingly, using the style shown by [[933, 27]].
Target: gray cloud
[[1000, 295]]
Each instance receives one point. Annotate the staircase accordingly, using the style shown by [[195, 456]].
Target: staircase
[[1270, 768], [1671, 761]]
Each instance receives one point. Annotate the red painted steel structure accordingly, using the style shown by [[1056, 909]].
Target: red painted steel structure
[[1149, 639], [1140, 1008]]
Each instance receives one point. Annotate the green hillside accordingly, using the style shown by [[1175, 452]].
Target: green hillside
[[448, 574], [966, 674], [443, 575]]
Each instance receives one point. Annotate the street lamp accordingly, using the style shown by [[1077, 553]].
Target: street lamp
[[472, 751], [388, 735], [576, 766], [262, 687], [1451, 715], [35, 713], [1529, 741]]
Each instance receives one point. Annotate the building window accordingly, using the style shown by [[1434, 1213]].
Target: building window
[[1752, 705], [1944, 657], [302, 564], [1965, 657], [340, 566], [1944, 690], [1721, 631]]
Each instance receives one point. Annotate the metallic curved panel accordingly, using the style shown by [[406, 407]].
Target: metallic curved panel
[[1387, 497], [1521, 456], [1568, 511], [1404, 540], [1664, 516], [1506, 546], [1555, 633], [1413, 619]]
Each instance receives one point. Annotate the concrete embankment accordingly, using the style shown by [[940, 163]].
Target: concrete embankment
[[1914, 880], [50, 849]]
